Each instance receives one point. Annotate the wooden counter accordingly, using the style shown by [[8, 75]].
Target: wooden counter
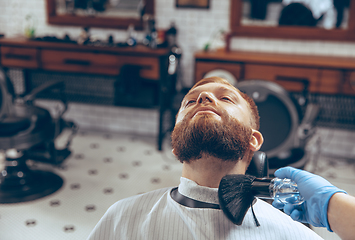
[[324, 74], [73, 58]]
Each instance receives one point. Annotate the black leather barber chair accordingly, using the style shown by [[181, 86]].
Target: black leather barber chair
[[259, 165], [284, 127], [28, 132]]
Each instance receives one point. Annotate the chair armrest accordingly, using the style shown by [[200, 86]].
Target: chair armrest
[[47, 86], [44, 87], [306, 128], [6, 94]]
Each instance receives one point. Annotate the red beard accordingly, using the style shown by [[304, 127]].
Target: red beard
[[227, 140]]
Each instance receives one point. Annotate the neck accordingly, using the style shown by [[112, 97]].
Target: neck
[[208, 171]]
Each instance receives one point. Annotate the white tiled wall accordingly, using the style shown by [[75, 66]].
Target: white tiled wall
[[107, 118], [195, 28], [314, 47]]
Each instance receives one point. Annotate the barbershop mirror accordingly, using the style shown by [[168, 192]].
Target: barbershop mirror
[[99, 13], [298, 19]]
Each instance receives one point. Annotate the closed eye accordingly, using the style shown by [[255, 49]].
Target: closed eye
[[226, 99], [190, 102]]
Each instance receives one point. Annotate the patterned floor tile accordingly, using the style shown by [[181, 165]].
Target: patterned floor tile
[[105, 167]]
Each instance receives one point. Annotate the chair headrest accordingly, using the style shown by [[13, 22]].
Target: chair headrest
[[279, 114], [259, 165]]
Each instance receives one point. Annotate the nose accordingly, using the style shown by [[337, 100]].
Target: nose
[[205, 97]]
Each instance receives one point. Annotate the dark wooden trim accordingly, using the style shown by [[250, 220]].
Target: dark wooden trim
[[307, 33], [281, 59], [100, 22], [95, 22], [351, 24], [235, 14], [179, 5], [50, 8], [138, 50]]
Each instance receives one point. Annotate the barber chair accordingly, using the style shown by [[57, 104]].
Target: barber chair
[[285, 129], [259, 165], [28, 132]]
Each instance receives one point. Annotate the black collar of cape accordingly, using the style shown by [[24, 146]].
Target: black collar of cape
[[192, 203], [189, 202]]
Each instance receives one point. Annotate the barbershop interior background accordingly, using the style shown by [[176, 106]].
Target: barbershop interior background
[[122, 96]]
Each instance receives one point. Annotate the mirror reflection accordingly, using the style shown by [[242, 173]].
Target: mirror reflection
[[327, 14], [101, 8]]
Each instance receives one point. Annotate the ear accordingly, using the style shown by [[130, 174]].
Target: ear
[[256, 140], [174, 152]]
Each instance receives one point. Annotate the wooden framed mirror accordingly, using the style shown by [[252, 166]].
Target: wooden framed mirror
[[83, 13], [241, 27]]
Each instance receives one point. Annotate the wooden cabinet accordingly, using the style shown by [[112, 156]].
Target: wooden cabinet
[[330, 81], [326, 75], [19, 57], [291, 78], [152, 64], [71, 61], [348, 85], [149, 65], [81, 59], [98, 63], [202, 68]]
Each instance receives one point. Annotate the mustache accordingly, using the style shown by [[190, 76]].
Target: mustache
[[207, 108], [219, 111]]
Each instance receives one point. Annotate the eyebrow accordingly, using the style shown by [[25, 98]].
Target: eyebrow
[[219, 88]]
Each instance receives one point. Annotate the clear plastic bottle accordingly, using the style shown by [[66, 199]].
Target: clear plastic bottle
[[284, 190]]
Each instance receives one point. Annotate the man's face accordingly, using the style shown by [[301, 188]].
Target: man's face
[[213, 118], [213, 99]]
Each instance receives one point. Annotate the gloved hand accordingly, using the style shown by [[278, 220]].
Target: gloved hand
[[316, 191]]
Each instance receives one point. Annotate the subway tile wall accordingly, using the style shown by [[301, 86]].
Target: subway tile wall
[[196, 27], [107, 118], [315, 47]]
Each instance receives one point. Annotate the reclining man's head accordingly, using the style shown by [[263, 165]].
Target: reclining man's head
[[216, 120]]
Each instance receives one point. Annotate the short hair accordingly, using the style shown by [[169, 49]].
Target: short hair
[[255, 121]]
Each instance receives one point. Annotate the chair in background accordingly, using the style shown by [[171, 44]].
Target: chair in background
[[284, 127], [28, 132]]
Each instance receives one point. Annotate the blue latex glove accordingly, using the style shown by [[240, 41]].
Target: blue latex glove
[[316, 191]]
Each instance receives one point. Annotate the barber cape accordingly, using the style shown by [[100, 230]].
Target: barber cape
[[156, 215]]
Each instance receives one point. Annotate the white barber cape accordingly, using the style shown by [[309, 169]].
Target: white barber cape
[[155, 215]]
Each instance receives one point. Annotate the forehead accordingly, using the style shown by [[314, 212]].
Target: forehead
[[214, 88], [218, 90]]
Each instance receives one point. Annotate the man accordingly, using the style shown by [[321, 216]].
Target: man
[[216, 134]]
